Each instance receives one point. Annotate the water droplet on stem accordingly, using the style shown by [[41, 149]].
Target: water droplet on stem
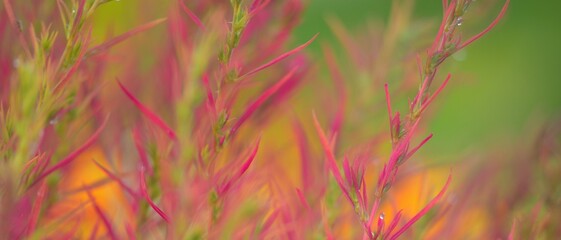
[[459, 21]]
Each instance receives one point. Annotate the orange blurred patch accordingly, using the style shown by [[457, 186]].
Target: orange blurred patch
[[414, 191], [75, 211]]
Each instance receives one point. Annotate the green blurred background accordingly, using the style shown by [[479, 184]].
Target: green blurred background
[[513, 74], [506, 86]]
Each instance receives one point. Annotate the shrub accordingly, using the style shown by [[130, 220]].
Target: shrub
[[200, 125]]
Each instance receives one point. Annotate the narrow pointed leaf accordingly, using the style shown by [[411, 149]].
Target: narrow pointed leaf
[[512, 231], [433, 96], [414, 150], [144, 191], [68, 159], [259, 101], [302, 199], [115, 178], [331, 161], [280, 58], [141, 151], [394, 223], [102, 215], [116, 40], [486, 30], [423, 211], [243, 168], [154, 118], [192, 15]]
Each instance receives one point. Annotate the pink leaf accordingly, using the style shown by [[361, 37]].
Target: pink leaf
[[269, 221], [144, 192], [280, 58], [79, 13], [15, 25], [305, 155], [36, 209], [381, 224], [102, 215], [148, 113], [414, 150], [68, 159], [491, 26], [259, 101], [303, 199], [247, 163], [115, 178], [433, 96], [512, 231], [210, 98], [388, 103], [116, 40], [394, 223], [243, 168], [331, 162], [438, 39], [141, 151], [93, 234], [191, 15], [423, 211]]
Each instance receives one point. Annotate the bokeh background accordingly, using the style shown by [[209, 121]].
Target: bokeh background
[[504, 87], [509, 83]]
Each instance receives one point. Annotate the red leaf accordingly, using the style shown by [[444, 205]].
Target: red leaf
[[148, 113], [331, 162], [426, 103], [305, 155], [512, 231], [36, 209], [423, 211], [116, 40], [302, 199], [247, 163], [243, 168], [394, 223], [269, 222], [491, 26], [144, 192], [15, 25], [68, 159], [388, 103], [102, 215], [259, 101], [117, 179], [414, 150], [438, 39], [141, 151], [191, 15], [280, 58], [79, 13]]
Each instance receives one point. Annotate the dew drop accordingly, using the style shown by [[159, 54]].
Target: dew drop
[[382, 216], [73, 11], [53, 121], [459, 21]]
